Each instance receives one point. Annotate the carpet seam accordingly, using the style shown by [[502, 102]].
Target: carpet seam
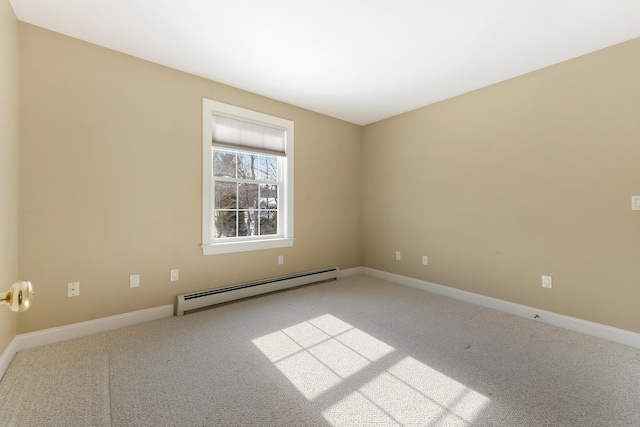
[[110, 421]]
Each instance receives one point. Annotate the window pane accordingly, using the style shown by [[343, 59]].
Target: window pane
[[248, 196], [269, 197], [224, 163], [268, 222], [268, 168], [244, 223], [225, 195], [247, 166], [251, 219], [225, 223]]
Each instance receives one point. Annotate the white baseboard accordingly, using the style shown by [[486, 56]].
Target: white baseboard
[[77, 330], [350, 272], [598, 330], [7, 356]]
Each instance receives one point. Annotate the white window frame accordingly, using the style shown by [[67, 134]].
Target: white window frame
[[285, 206]]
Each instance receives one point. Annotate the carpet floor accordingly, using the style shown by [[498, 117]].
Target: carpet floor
[[359, 351]]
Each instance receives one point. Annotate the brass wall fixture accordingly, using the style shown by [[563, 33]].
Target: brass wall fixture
[[18, 297]]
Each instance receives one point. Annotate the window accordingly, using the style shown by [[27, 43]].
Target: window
[[247, 188]]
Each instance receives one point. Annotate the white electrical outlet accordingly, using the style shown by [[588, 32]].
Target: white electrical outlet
[[547, 282], [425, 260], [73, 289], [175, 275], [398, 256], [635, 203], [280, 259], [134, 281]]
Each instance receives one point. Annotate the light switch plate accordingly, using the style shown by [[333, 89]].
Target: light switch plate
[[635, 203], [547, 282]]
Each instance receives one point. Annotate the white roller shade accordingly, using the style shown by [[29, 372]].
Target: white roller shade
[[238, 134]]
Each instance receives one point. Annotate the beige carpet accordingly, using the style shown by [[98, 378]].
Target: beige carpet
[[355, 352]]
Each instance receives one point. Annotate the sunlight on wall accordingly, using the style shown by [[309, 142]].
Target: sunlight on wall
[[324, 352]]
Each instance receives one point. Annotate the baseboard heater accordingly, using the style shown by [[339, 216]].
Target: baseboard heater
[[195, 300]]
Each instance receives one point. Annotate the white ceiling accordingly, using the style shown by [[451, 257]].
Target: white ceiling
[[358, 60]]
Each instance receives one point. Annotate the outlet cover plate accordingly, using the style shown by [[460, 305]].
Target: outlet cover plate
[[547, 282], [134, 281], [73, 289]]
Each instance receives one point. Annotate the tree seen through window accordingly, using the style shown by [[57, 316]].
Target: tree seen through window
[[245, 194]]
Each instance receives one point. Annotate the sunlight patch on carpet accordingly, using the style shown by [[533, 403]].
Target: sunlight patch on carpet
[[319, 354]]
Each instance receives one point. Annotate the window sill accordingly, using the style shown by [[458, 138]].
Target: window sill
[[256, 245]]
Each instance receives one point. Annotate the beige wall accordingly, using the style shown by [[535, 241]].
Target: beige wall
[[529, 177], [110, 169], [8, 165]]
